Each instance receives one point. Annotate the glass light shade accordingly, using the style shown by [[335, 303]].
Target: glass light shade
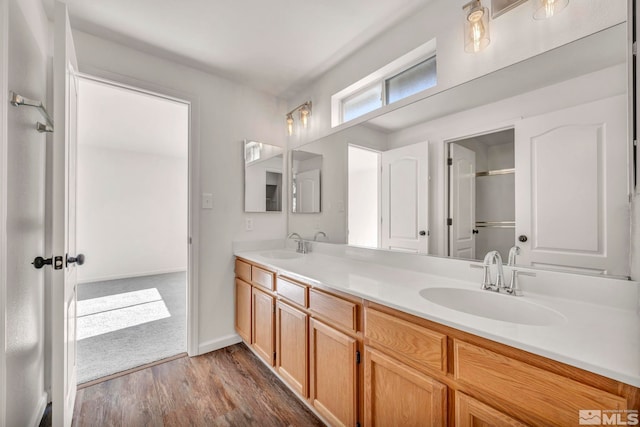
[[289, 124], [545, 9], [304, 116], [476, 29]]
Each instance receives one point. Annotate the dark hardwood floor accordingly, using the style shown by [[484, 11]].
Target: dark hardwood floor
[[228, 387]]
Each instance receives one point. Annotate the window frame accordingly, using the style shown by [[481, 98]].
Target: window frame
[[379, 78]]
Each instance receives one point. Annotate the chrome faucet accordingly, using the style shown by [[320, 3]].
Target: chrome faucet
[[302, 247], [515, 250], [493, 257], [319, 233]]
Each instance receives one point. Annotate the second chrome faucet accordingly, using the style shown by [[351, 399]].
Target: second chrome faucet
[[494, 257]]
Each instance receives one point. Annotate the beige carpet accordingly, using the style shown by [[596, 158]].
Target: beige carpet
[[127, 323]]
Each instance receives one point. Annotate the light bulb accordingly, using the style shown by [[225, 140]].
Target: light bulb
[[289, 124], [476, 27], [545, 9], [304, 116]]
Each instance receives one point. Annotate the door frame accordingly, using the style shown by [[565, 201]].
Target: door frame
[[4, 87], [484, 130], [193, 172]]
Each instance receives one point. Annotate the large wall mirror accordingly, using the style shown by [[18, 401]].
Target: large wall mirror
[[535, 155], [263, 184]]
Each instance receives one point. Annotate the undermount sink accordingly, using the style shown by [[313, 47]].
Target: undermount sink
[[494, 306], [281, 254]]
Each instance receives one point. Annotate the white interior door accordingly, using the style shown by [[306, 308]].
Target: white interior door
[[572, 190], [63, 310], [309, 190], [405, 196], [462, 202]]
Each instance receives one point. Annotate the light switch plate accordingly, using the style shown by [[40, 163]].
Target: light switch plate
[[248, 224], [207, 201]]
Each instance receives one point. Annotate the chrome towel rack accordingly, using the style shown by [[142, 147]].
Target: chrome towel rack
[[19, 100]]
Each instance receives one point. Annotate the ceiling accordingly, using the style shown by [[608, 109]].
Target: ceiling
[[276, 46], [122, 119]]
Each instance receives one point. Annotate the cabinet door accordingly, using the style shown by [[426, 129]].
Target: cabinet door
[[263, 308], [472, 413], [396, 395], [243, 310], [333, 374], [291, 347]]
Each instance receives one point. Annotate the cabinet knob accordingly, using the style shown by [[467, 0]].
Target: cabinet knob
[[523, 238]]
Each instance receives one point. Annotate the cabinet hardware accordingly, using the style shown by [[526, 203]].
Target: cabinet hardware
[[357, 357]]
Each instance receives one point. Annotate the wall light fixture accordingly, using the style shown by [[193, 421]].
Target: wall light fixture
[[545, 9], [476, 27], [304, 110]]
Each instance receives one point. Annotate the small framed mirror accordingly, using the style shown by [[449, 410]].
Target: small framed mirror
[[263, 167], [306, 177]]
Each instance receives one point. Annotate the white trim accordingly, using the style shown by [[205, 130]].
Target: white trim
[[219, 343], [4, 88], [36, 417], [193, 101], [406, 61], [128, 276]]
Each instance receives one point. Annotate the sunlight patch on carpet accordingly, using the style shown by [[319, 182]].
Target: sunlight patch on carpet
[[98, 316]]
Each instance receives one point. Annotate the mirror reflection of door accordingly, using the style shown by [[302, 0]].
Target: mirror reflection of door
[[482, 195], [572, 199], [306, 183], [405, 198]]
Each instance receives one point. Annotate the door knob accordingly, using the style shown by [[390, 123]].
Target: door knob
[[40, 262], [475, 231], [422, 233], [523, 238], [79, 259]]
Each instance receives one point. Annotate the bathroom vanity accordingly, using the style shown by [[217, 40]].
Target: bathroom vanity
[[367, 341]]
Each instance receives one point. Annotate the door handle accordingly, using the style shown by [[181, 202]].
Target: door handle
[[79, 259], [40, 262], [475, 231], [422, 233]]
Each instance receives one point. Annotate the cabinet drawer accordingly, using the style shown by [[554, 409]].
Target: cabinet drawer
[[538, 396], [291, 291], [243, 270], [336, 310], [421, 345], [262, 277]]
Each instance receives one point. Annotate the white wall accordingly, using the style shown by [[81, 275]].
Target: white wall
[[514, 36], [132, 212], [223, 114], [25, 66]]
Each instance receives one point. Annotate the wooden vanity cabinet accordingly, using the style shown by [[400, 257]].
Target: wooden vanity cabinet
[[333, 374], [397, 395], [292, 355], [473, 413], [243, 310], [263, 325]]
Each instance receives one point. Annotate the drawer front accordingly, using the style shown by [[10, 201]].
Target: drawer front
[[425, 347], [538, 396], [262, 277], [336, 310], [291, 291], [243, 270]]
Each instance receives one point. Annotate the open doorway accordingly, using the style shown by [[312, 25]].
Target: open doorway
[[132, 218], [481, 195]]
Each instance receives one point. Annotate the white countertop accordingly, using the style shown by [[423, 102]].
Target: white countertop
[[603, 339]]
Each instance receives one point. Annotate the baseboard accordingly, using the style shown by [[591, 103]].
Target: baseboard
[[129, 275], [39, 411], [219, 343]]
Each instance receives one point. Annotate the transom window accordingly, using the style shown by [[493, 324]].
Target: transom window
[[406, 76]]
